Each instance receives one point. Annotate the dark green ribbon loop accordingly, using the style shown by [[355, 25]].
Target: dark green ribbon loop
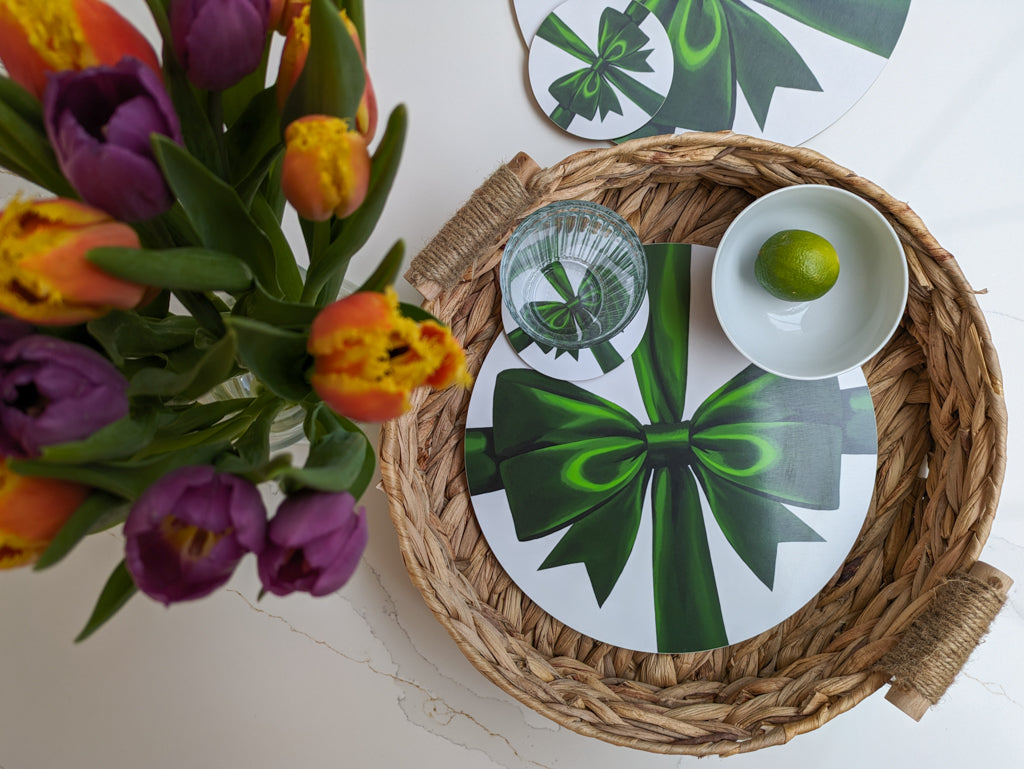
[[620, 50]]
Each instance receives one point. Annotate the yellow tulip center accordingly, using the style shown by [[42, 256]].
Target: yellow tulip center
[[15, 551], [193, 542], [23, 232], [53, 31], [395, 358], [328, 141]]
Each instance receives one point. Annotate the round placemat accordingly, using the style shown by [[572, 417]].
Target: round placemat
[[684, 502]]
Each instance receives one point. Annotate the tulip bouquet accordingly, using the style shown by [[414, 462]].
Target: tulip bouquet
[[156, 270]]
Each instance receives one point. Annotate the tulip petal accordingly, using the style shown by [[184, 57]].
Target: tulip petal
[[187, 532], [345, 561], [219, 41]]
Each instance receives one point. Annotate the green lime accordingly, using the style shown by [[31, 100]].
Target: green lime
[[797, 265]]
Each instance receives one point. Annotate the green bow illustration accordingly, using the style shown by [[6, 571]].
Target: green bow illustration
[[569, 459], [577, 311], [719, 44], [592, 88]]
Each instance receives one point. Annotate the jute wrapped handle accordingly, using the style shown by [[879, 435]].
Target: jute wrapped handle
[[478, 224], [935, 647]]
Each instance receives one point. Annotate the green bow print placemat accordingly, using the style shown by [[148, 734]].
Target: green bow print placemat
[[681, 503], [779, 69]]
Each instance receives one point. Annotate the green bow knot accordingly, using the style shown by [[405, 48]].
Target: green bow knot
[[576, 311], [571, 460], [620, 49]]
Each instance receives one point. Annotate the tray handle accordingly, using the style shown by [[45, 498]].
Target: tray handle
[[935, 647], [489, 212]]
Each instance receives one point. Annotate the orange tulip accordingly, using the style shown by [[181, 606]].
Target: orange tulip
[[293, 59], [326, 168], [369, 357], [283, 11], [32, 511], [44, 275], [366, 115], [41, 36]]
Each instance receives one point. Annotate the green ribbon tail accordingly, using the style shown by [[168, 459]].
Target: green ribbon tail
[[562, 117], [519, 339], [753, 524], [873, 25], [603, 539], [659, 365], [766, 60], [687, 611], [645, 98], [608, 357]]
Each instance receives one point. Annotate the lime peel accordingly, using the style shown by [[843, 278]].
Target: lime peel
[[797, 265]]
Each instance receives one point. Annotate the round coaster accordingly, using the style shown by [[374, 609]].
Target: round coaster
[[683, 503], [577, 365], [600, 70]]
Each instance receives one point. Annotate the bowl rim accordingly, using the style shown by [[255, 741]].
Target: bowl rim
[[814, 189]]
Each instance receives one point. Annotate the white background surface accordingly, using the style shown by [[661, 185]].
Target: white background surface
[[367, 677]]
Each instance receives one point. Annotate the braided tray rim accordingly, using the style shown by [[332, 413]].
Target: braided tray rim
[[938, 397]]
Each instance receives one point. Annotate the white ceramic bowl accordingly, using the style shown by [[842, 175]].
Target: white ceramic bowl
[[830, 335]]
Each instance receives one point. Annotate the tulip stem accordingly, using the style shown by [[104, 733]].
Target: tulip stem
[[215, 113], [203, 310]]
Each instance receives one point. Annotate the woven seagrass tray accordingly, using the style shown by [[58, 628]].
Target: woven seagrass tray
[[938, 399]]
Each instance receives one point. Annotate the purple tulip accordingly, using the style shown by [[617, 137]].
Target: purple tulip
[[12, 330], [99, 121], [187, 532], [218, 42], [54, 391], [314, 543]]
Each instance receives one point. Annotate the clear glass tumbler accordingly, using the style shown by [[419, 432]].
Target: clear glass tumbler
[[573, 274]]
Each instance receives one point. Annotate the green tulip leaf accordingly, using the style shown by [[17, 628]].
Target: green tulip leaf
[[199, 416], [338, 461], [115, 594], [332, 81], [289, 277], [124, 478], [94, 514], [417, 313], [192, 269], [23, 142], [221, 220], [253, 445], [260, 306], [117, 440], [189, 373], [239, 97], [387, 271], [275, 356], [130, 335], [255, 134]]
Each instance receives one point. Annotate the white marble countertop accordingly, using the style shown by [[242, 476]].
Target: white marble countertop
[[367, 677]]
